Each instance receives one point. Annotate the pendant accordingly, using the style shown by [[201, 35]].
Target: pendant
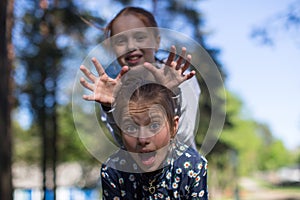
[[151, 189]]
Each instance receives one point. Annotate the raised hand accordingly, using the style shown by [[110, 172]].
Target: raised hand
[[102, 86], [172, 73]]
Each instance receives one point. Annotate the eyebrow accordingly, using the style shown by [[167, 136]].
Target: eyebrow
[[134, 33], [121, 36], [140, 32], [127, 119]]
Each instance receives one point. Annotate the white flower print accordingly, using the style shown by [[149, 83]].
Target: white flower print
[[200, 165], [195, 175], [175, 185], [178, 171], [190, 173], [163, 184], [116, 159], [182, 148], [198, 179], [123, 193], [105, 192], [169, 175], [194, 194], [160, 195], [179, 153], [201, 193], [187, 164], [122, 162], [131, 177], [113, 185], [187, 188], [175, 194], [188, 155]]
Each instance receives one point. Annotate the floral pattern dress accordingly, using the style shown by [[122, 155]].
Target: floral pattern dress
[[183, 177]]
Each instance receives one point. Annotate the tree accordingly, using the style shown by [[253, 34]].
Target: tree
[[41, 55], [273, 153], [6, 20]]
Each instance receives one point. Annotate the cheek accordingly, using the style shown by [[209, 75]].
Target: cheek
[[120, 57], [149, 55], [119, 51], [129, 142], [162, 138]]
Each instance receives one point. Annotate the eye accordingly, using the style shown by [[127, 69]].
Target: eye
[[154, 126], [130, 129], [140, 37], [119, 41]]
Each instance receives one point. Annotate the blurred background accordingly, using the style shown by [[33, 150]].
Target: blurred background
[[255, 45]]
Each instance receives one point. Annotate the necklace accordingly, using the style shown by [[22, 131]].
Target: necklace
[[151, 187], [151, 178]]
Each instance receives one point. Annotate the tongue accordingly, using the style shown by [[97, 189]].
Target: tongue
[[147, 158]]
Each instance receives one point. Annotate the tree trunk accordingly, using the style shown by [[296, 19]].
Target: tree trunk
[[6, 21]]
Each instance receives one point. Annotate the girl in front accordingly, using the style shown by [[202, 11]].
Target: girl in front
[[152, 163]]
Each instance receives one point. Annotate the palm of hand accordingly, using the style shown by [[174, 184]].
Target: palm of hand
[[102, 86]]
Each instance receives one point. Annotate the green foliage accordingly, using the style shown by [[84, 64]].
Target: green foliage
[[222, 171], [26, 143], [70, 147], [257, 148], [242, 137], [274, 156]]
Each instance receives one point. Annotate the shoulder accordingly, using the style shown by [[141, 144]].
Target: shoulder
[[192, 84], [122, 161], [190, 159]]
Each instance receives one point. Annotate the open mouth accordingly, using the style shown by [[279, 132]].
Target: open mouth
[[147, 158], [133, 59]]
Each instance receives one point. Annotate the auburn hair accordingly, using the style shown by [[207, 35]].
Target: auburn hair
[[145, 16]]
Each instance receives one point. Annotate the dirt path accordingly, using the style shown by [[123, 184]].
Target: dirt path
[[252, 191]]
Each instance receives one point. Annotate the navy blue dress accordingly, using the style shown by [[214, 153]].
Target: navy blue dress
[[183, 177]]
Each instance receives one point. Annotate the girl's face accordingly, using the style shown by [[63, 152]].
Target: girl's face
[[133, 43], [146, 135]]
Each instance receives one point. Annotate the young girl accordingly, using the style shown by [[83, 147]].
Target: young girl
[[135, 44], [152, 163]]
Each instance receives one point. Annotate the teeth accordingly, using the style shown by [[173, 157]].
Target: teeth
[[133, 57]]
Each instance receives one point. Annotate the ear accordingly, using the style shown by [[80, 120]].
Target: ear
[[176, 124]]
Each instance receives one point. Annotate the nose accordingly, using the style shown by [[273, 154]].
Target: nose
[[143, 137], [131, 45], [143, 141]]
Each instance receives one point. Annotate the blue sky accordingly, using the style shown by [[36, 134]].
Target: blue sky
[[267, 78]]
